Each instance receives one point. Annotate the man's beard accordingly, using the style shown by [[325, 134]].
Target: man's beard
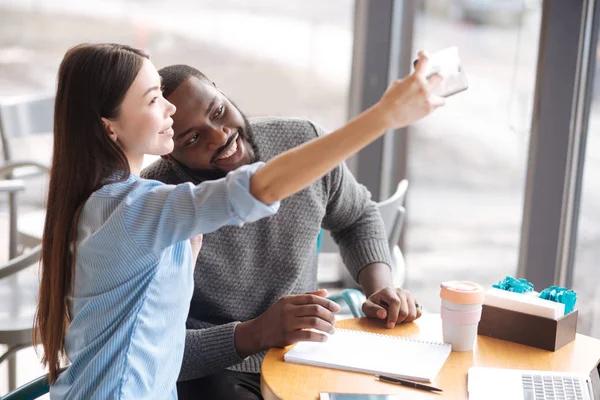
[[247, 135]]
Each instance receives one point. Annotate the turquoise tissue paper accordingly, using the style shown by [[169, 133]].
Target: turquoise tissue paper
[[514, 285], [553, 293], [560, 295]]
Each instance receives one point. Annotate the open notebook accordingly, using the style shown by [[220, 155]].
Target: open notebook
[[374, 354]]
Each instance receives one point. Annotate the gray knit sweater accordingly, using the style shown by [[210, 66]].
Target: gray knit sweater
[[242, 271]]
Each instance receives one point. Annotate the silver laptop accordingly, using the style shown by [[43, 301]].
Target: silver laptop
[[497, 383]]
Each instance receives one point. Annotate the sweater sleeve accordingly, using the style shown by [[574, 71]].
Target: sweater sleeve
[[208, 349], [158, 215], [354, 221]]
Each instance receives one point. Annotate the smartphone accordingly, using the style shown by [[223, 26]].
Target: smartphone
[[352, 396], [447, 63]]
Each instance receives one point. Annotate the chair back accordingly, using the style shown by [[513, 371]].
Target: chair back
[[32, 390], [393, 212], [23, 116], [18, 264]]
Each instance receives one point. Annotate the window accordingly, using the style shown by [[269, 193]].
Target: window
[[587, 254], [467, 162]]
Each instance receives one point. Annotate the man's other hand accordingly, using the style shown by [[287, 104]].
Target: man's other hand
[[393, 305]]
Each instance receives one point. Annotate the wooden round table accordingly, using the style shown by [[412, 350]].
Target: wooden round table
[[281, 380]]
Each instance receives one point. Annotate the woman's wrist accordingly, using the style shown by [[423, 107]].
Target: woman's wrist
[[379, 114]]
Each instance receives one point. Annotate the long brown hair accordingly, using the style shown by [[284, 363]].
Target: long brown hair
[[92, 82]]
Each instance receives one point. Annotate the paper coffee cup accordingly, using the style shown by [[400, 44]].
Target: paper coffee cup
[[460, 307], [461, 312]]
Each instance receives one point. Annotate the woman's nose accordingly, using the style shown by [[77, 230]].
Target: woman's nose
[[170, 108]]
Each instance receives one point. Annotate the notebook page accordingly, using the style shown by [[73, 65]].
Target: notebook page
[[373, 353]]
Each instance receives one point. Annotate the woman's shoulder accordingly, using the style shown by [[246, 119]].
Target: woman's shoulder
[[133, 184]]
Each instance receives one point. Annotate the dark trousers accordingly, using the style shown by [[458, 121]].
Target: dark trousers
[[227, 385]]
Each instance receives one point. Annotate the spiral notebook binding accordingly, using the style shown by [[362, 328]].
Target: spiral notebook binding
[[405, 339]]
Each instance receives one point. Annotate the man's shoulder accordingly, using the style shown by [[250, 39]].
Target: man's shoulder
[[282, 133], [163, 171], [293, 125]]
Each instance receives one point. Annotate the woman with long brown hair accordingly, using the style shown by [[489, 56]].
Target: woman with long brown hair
[[117, 258]]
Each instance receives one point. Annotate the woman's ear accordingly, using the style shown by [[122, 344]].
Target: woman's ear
[[110, 129]]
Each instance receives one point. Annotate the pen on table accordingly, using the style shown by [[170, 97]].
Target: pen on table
[[402, 382]]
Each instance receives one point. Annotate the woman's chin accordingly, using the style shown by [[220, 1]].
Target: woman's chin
[[164, 150]]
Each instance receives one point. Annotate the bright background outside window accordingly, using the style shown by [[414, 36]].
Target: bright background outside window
[[467, 161], [293, 58]]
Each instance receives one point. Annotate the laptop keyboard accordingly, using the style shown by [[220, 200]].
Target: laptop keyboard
[[546, 387]]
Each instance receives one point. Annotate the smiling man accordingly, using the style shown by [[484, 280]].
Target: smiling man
[[256, 285]]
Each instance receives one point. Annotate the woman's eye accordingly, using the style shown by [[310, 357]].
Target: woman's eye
[[219, 111], [194, 137], [153, 100]]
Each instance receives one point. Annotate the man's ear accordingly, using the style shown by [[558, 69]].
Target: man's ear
[[110, 129]]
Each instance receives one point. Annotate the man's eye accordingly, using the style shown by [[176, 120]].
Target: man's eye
[[194, 137], [219, 111]]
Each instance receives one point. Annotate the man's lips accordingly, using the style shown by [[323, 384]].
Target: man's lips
[[226, 148]]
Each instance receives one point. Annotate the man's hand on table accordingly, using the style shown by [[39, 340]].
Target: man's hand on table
[[287, 322], [393, 305]]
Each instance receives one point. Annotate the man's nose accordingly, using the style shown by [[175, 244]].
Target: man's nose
[[218, 137]]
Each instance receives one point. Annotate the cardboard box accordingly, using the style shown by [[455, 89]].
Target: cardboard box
[[530, 330]]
